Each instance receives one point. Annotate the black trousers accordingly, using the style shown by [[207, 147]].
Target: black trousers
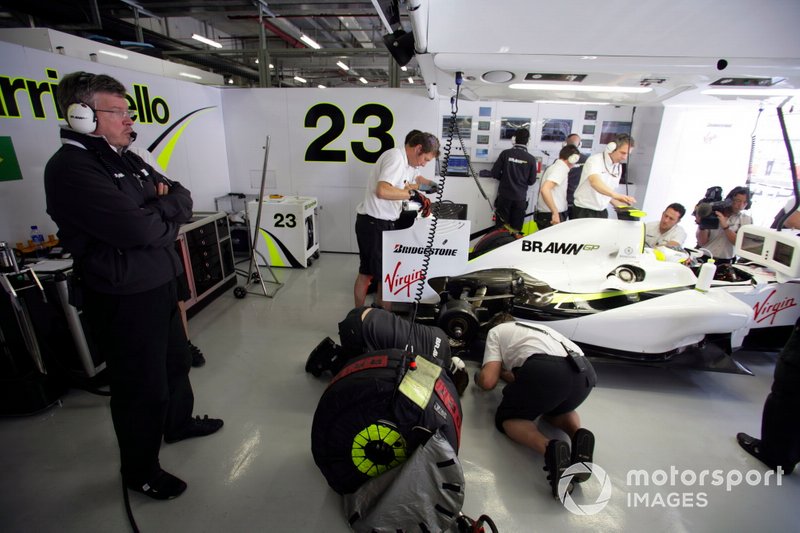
[[780, 427], [148, 359], [583, 212], [511, 211], [543, 218], [544, 384]]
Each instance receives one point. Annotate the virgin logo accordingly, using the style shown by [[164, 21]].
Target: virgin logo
[[769, 309], [398, 283]]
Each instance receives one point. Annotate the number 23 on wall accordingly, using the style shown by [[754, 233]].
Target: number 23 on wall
[[318, 151]]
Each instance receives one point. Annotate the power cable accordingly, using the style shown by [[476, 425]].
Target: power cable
[[792, 168]]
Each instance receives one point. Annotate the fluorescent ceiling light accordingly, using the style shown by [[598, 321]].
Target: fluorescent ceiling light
[[342, 66], [751, 92], [579, 88], [298, 78], [570, 102], [404, 68], [411, 80], [321, 86], [193, 76], [206, 40], [230, 81], [362, 79], [113, 54], [309, 41]]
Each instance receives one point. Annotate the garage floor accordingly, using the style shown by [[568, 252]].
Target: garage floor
[[257, 474]]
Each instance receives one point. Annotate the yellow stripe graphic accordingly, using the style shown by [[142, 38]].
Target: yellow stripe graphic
[[165, 156]]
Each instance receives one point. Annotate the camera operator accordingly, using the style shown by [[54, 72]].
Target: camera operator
[[720, 240]]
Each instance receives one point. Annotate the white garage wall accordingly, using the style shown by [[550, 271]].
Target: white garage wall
[[199, 159], [252, 114]]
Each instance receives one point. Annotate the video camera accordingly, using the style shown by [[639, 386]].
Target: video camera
[[706, 209]]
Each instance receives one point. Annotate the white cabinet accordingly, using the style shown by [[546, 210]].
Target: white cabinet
[[288, 235]]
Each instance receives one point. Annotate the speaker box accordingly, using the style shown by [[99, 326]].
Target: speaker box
[[401, 45]]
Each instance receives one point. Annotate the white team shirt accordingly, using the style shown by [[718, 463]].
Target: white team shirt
[[653, 236], [512, 344], [557, 173], [585, 195], [392, 167]]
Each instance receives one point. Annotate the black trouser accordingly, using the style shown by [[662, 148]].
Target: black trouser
[[780, 428], [544, 384], [142, 338], [512, 212], [369, 235], [543, 218], [584, 212]]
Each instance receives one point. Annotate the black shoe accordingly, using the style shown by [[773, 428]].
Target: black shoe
[[164, 486], [321, 358], [752, 446], [582, 452], [196, 427], [197, 355], [460, 380], [556, 460]]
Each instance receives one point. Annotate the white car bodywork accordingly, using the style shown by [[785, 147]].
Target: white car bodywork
[[600, 286]]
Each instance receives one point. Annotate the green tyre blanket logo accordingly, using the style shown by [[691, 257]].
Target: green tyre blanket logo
[[377, 449]]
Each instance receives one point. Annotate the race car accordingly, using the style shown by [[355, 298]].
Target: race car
[[594, 281]]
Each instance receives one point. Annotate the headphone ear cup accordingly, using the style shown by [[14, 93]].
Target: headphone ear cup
[[573, 159], [610, 147], [81, 118]]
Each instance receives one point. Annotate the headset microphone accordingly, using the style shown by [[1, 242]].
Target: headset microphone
[[573, 159], [133, 136], [610, 147]]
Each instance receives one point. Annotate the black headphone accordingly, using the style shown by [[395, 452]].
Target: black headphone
[[740, 190], [80, 116]]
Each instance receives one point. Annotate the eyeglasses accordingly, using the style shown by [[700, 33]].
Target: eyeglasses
[[118, 113]]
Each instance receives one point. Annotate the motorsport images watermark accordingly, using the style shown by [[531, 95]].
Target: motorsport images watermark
[[661, 488]]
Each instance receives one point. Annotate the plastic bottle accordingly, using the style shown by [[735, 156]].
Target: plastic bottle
[[706, 276], [38, 241]]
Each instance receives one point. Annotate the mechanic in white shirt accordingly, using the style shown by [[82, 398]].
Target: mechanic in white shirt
[[599, 179], [547, 376], [387, 188], [551, 207], [666, 232]]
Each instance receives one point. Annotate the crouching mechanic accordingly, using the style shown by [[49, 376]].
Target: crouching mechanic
[[548, 376], [366, 329]]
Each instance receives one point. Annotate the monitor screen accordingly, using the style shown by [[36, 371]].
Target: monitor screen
[[776, 250], [509, 126], [753, 243], [457, 166], [783, 254]]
